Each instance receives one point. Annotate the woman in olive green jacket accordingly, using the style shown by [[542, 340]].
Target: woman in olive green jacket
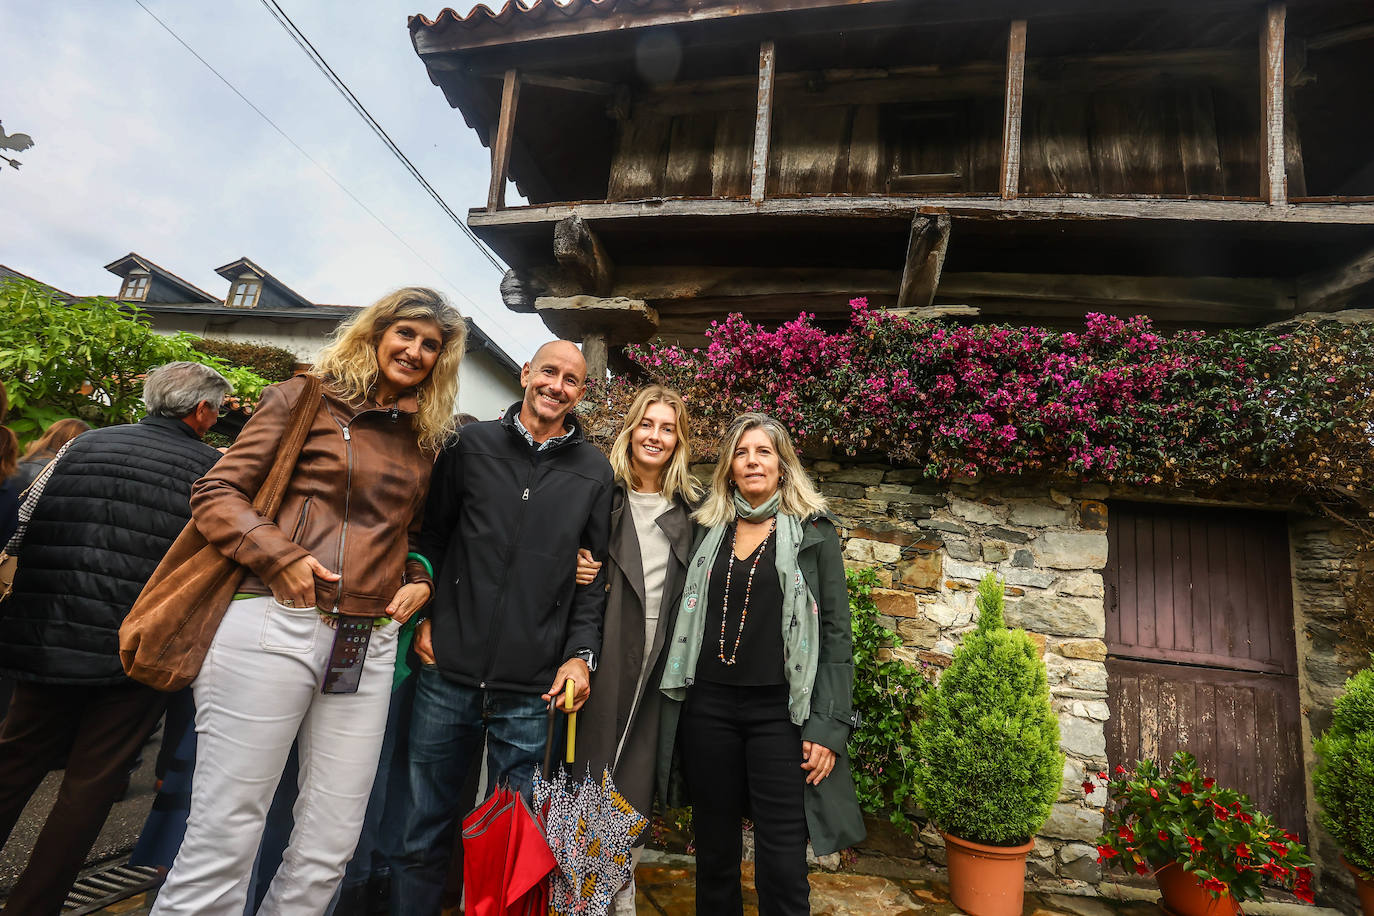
[[759, 677]]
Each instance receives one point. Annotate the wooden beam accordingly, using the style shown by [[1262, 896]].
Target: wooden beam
[[1341, 36], [1330, 290], [500, 147], [594, 352], [903, 208], [763, 122], [567, 83], [582, 256], [1011, 118], [925, 258], [1273, 174]]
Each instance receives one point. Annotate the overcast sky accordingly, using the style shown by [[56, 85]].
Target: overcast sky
[[140, 148]]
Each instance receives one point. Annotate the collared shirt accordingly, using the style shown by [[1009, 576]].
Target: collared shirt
[[540, 446]]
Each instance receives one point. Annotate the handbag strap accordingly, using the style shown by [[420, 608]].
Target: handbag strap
[[302, 417], [29, 499]]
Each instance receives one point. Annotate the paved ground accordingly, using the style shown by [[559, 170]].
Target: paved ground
[[667, 890]]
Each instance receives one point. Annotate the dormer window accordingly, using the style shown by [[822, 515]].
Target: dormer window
[[135, 286], [245, 293]]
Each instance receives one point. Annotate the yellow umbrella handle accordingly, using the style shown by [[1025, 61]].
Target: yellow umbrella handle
[[569, 700]]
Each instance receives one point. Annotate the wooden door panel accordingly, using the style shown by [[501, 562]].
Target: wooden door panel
[[1200, 586], [1242, 726]]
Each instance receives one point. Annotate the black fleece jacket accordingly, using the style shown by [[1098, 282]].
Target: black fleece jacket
[[502, 527]]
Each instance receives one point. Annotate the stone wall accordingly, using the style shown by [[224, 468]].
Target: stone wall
[[931, 543]]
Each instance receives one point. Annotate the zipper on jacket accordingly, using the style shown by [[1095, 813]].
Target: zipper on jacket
[[300, 522], [493, 637], [348, 493]]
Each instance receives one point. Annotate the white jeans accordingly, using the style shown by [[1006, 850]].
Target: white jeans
[[259, 691]]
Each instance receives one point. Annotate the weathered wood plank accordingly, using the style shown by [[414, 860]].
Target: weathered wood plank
[[1197, 141], [730, 156], [810, 151], [1273, 176], [925, 258], [1327, 291], [581, 255], [763, 122], [1221, 211], [641, 157], [865, 152], [1014, 98], [500, 147], [690, 146]]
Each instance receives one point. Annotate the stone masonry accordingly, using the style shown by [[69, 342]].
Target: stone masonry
[[930, 543]]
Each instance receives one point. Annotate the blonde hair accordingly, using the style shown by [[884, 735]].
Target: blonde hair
[[677, 480], [349, 362], [800, 498]]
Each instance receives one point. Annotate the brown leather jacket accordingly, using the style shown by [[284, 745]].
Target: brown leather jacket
[[355, 500]]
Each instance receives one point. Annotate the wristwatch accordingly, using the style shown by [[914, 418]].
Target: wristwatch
[[588, 656]]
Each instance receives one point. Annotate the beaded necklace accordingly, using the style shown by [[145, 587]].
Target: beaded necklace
[[748, 587]]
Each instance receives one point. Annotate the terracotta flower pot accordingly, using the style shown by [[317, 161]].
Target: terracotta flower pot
[[1183, 895], [986, 880], [1363, 887]]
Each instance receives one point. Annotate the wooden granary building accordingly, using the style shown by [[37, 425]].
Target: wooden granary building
[[1202, 162]]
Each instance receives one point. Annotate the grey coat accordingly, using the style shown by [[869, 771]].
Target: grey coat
[[833, 819], [617, 684]]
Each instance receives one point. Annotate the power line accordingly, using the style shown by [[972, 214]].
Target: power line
[[330, 175], [339, 85]]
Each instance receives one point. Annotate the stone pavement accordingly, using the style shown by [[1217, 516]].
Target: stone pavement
[[666, 889]]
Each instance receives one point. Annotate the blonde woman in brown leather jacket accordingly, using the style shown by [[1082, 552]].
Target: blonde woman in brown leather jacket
[[306, 650]]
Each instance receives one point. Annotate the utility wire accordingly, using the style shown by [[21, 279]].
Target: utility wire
[[322, 65], [330, 175]]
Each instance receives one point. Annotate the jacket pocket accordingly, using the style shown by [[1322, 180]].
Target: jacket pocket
[[289, 629], [300, 521]]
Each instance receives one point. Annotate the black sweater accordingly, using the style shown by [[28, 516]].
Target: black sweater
[[502, 527]]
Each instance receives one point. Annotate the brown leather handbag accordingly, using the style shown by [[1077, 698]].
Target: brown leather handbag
[[166, 635]]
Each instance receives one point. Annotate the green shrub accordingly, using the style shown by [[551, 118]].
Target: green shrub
[[988, 742], [887, 696], [1344, 778], [86, 358], [272, 363]]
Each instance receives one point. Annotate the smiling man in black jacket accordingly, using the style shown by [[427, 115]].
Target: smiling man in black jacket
[[510, 503]]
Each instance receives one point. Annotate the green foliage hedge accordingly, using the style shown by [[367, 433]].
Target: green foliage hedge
[[887, 695], [989, 764], [272, 363], [1344, 778], [86, 359]]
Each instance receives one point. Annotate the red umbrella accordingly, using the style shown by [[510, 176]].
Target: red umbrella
[[505, 859]]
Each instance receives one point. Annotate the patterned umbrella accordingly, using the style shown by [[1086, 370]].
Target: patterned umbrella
[[590, 828]]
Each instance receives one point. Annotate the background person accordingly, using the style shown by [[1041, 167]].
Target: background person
[[111, 507], [9, 463], [650, 544], [761, 668], [338, 551], [45, 448]]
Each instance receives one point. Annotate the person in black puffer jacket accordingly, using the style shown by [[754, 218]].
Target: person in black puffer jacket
[[111, 508]]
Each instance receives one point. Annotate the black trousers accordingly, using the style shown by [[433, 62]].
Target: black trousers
[[100, 731], [741, 757]]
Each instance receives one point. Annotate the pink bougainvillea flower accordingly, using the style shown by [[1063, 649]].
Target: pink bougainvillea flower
[[1186, 788]]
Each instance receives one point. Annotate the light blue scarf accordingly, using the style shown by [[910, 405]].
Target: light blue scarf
[[800, 615]]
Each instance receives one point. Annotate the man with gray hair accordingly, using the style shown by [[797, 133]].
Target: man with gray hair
[[113, 502]]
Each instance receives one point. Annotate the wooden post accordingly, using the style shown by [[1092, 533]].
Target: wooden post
[[501, 143], [763, 122], [594, 352], [1273, 165], [925, 258], [1011, 118]]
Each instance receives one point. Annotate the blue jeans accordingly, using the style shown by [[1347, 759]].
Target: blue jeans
[[448, 724]]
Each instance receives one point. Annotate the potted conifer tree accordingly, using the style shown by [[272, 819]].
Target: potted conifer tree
[[1344, 781], [989, 760]]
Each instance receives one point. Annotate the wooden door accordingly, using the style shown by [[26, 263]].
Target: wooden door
[[1201, 649]]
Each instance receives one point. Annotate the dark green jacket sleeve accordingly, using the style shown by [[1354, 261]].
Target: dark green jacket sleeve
[[832, 706]]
